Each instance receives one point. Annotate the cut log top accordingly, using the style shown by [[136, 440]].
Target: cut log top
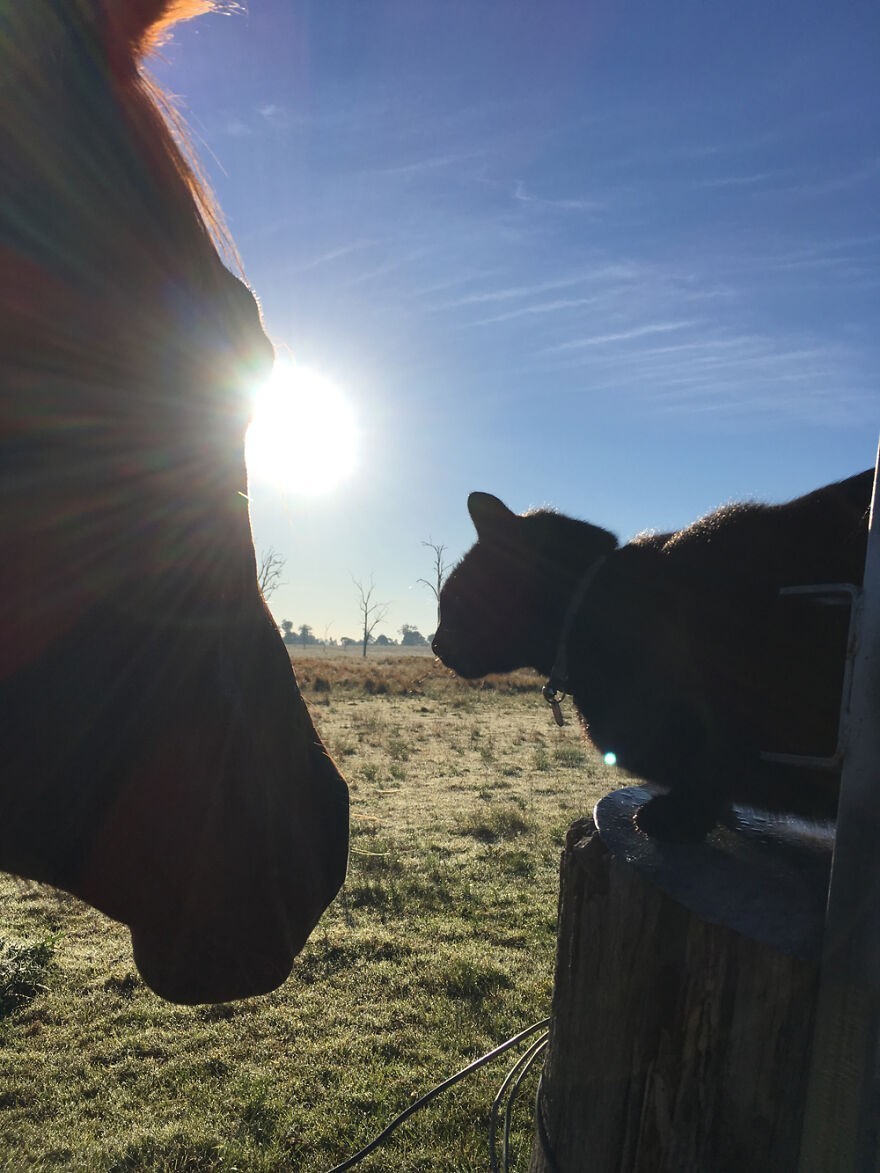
[[763, 875]]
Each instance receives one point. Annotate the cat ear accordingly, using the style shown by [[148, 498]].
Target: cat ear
[[141, 25], [488, 513]]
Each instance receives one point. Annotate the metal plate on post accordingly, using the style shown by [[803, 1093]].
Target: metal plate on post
[[842, 1125], [762, 875]]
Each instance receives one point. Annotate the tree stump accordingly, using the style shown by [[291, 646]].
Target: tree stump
[[686, 982]]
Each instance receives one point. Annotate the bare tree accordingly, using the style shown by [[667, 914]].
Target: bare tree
[[372, 612], [269, 572], [439, 575]]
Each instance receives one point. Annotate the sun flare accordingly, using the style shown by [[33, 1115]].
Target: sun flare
[[302, 437]]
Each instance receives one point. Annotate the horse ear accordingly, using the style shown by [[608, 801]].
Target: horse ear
[[488, 513], [143, 24]]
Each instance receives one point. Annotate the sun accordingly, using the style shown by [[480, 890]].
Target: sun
[[303, 437]]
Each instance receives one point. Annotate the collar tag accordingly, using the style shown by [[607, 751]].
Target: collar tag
[[552, 697]]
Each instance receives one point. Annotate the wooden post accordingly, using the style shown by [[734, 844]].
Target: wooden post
[[686, 982]]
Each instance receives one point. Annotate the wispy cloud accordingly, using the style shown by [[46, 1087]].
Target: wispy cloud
[[508, 293], [238, 128], [844, 259], [273, 115], [426, 165], [741, 180], [457, 281], [781, 395], [334, 254], [741, 374], [389, 266], [620, 336], [851, 179], [605, 277], [565, 205], [545, 307], [269, 115], [731, 146], [711, 346]]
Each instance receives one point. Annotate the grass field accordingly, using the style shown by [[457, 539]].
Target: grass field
[[440, 947]]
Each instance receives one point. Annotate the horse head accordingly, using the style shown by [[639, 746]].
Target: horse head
[[157, 758]]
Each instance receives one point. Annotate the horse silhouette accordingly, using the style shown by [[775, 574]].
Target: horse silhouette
[[682, 657], [157, 758]]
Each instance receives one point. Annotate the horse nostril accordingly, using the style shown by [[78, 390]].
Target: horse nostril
[[436, 645]]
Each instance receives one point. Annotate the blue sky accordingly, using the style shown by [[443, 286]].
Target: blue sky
[[617, 258]]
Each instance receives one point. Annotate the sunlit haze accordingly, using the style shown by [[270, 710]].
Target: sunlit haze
[[618, 259]]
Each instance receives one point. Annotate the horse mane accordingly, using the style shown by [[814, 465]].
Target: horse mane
[[175, 133], [177, 142]]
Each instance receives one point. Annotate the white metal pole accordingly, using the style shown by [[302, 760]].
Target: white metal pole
[[842, 1121]]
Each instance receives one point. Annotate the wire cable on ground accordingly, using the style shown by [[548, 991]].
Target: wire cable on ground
[[499, 1098], [534, 1052], [541, 1132], [350, 1162]]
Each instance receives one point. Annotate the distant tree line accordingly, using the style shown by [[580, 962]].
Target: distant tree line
[[410, 637], [269, 571]]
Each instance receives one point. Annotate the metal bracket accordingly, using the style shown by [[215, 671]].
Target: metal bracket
[[836, 594]]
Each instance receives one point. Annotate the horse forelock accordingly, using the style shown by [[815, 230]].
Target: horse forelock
[[144, 24]]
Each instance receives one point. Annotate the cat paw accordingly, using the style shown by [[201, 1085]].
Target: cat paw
[[666, 817]]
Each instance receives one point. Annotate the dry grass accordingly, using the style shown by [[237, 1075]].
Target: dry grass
[[404, 671], [440, 946]]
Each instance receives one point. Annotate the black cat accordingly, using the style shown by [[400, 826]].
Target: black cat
[[679, 652]]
